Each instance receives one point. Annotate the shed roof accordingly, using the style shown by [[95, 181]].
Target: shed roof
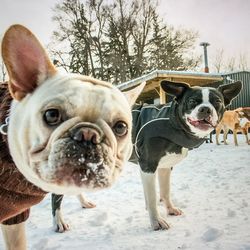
[[154, 78]]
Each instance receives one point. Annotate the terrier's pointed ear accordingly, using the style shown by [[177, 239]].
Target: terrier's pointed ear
[[27, 63], [174, 88], [133, 94], [230, 91]]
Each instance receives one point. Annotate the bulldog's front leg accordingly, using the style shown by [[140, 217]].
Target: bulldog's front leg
[[14, 236], [164, 183], [148, 181]]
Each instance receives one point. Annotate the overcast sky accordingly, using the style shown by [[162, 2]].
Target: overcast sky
[[223, 23]]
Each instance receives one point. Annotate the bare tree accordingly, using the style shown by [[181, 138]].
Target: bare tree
[[243, 62], [231, 64], [3, 72], [119, 32], [130, 33], [142, 34], [71, 38], [171, 50], [118, 40], [218, 61]]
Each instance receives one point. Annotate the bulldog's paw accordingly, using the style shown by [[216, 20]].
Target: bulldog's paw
[[85, 203], [88, 204], [59, 224], [174, 211], [159, 224]]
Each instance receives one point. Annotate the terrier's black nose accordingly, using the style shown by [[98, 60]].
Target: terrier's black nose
[[204, 112]]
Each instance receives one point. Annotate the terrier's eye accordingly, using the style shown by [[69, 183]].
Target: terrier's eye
[[218, 101], [120, 128], [52, 117], [192, 102]]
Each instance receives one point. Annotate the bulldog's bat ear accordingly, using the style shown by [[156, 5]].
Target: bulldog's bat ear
[[27, 63], [133, 94], [174, 88], [230, 91]]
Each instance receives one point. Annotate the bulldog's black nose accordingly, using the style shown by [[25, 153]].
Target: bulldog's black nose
[[204, 112], [87, 135]]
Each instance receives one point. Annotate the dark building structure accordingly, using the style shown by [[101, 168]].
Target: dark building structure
[[243, 99], [152, 92]]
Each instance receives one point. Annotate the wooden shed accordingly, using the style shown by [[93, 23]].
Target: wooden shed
[[152, 92]]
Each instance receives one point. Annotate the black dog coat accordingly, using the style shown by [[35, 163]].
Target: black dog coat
[[161, 127]]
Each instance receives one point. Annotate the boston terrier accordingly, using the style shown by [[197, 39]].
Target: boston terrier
[[162, 136]]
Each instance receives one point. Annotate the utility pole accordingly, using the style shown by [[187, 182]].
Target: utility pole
[[205, 45]]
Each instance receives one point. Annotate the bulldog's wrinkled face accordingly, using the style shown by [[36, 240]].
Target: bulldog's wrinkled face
[[66, 132], [202, 109], [72, 134]]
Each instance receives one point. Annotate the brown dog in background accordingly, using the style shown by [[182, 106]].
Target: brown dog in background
[[237, 120]]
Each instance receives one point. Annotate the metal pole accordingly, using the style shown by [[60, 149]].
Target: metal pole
[[205, 45]]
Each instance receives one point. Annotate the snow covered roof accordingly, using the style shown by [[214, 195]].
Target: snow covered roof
[[193, 78]]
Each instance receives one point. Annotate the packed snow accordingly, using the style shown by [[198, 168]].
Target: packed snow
[[211, 186]]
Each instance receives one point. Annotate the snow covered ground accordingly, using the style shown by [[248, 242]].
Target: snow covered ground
[[211, 186]]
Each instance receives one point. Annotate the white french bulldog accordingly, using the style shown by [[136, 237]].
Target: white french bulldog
[[66, 133]]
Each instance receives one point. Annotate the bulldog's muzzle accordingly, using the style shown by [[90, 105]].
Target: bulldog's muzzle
[[82, 157]]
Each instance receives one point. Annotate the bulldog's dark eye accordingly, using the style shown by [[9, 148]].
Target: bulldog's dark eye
[[120, 128], [52, 117]]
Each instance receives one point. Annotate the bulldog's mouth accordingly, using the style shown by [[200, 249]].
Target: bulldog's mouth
[[85, 167], [202, 124], [82, 165], [90, 175]]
